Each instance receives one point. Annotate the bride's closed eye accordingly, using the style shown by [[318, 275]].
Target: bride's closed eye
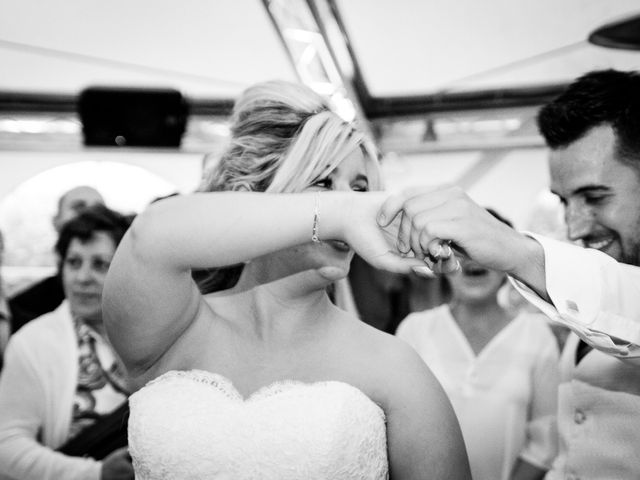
[[360, 186], [324, 183]]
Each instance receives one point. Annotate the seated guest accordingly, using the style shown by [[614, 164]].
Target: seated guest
[[499, 369], [61, 377], [47, 294]]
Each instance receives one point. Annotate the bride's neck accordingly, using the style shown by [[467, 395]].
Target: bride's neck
[[287, 286], [286, 305]]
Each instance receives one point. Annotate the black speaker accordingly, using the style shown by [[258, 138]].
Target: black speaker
[[132, 117]]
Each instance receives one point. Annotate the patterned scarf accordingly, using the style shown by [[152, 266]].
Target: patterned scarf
[[101, 384]]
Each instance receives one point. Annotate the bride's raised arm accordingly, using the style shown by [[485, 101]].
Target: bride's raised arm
[[150, 297]]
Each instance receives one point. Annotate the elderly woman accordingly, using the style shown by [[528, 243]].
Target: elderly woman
[[61, 375]]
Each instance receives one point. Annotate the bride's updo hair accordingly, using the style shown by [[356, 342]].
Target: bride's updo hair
[[284, 138]]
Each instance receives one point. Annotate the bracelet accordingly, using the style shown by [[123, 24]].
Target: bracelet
[[316, 218]]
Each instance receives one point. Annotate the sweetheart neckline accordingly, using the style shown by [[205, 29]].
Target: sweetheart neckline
[[226, 386]]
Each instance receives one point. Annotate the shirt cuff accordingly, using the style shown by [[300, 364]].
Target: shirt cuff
[[581, 284]]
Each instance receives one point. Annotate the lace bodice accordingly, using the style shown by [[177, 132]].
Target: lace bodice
[[195, 425]]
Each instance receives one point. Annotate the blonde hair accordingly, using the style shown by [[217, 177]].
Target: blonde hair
[[284, 137]]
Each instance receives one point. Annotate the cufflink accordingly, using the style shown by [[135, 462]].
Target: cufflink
[[572, 306]]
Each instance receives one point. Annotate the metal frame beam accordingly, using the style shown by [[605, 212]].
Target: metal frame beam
[[312, 40]]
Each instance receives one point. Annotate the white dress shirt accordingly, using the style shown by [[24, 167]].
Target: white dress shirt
[[599, 395]]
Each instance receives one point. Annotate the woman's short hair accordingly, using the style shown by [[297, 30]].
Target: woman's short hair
[[96, 218], [284, 137]]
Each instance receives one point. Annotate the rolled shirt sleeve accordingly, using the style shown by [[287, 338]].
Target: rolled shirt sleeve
[[595, 296]]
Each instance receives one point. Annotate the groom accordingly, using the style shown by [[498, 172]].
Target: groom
[[593, 131]]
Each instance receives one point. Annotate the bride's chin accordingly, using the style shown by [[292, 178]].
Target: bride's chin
[[320, 277], [307, 281], [332, 273], [339, 246]]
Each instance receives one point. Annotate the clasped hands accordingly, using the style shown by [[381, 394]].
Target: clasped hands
[[426, 230], [414, 216]]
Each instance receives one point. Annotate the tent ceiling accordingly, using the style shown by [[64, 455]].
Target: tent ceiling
[[413, 47], [410, 53], [206, 49]]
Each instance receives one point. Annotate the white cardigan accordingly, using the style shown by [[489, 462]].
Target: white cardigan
[[37, 385]]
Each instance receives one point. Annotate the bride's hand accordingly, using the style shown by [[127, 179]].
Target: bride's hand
[[375, 244]]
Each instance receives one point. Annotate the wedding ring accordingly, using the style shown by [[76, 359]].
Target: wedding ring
[[444, 251]]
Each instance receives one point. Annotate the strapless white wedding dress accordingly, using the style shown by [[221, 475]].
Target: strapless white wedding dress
[[195, 425]]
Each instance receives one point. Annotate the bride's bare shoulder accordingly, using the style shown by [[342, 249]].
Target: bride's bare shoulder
[[386, 354]]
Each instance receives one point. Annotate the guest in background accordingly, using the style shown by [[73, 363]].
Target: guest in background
[[499, 369], [47, 294], [61, 376]]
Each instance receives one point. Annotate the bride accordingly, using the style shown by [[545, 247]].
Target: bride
[[265, 377]]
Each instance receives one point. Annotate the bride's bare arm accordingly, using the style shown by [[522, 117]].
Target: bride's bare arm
[[424, 437], [150, 299]]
